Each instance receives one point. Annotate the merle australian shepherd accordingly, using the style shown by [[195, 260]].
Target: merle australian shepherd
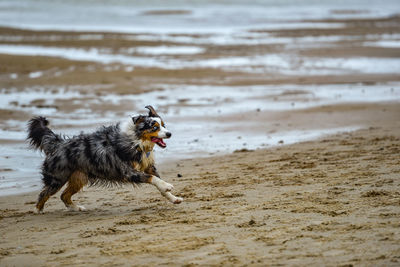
[[112, 155]]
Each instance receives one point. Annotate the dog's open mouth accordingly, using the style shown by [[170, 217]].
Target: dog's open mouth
[[159, 141]]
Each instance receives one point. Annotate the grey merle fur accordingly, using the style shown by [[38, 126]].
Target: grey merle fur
[[105, 156]]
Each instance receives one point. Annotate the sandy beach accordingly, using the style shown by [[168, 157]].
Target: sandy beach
[[286, 133]]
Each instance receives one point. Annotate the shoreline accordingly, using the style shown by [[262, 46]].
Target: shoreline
[[170, 162], [34, 185]]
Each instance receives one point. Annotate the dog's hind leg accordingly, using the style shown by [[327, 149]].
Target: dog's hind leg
[[76, 181], [47, 192]]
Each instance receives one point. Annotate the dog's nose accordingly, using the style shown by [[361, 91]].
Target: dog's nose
[[168, 134]]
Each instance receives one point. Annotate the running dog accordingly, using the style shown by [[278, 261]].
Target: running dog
[[117, 154]]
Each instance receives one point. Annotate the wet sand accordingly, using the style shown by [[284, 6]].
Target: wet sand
[[333, 201]]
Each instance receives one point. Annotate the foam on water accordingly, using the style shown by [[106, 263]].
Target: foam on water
[[169, 50], [35, 74], [357, 64], [384, 43]]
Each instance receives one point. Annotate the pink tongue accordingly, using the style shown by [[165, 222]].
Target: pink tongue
[[160, 141]]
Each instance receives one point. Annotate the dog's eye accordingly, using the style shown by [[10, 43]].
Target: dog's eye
[[155, 128]]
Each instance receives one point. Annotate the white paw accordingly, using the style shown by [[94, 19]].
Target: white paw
[[76, 208], [178, 200], [173, 199], [37, 211], [81, 208]]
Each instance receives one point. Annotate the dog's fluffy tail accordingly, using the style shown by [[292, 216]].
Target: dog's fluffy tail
[[41, 137]]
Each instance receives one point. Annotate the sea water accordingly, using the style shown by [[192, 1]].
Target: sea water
[[190, 16]]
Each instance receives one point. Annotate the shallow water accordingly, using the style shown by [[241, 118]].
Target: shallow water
[[189, 17]]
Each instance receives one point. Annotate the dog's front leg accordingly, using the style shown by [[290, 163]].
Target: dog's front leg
[[165, 189]]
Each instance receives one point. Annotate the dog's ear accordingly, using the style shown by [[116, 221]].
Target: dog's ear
[[152, 112], [138, 119]]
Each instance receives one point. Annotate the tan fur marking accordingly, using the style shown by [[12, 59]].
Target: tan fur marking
[[146, 161], [40, 204], [147, 135], [135, 165], [75, 184], [43, 198]]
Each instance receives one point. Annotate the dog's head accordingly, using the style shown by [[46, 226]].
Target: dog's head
[[151, 128]]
